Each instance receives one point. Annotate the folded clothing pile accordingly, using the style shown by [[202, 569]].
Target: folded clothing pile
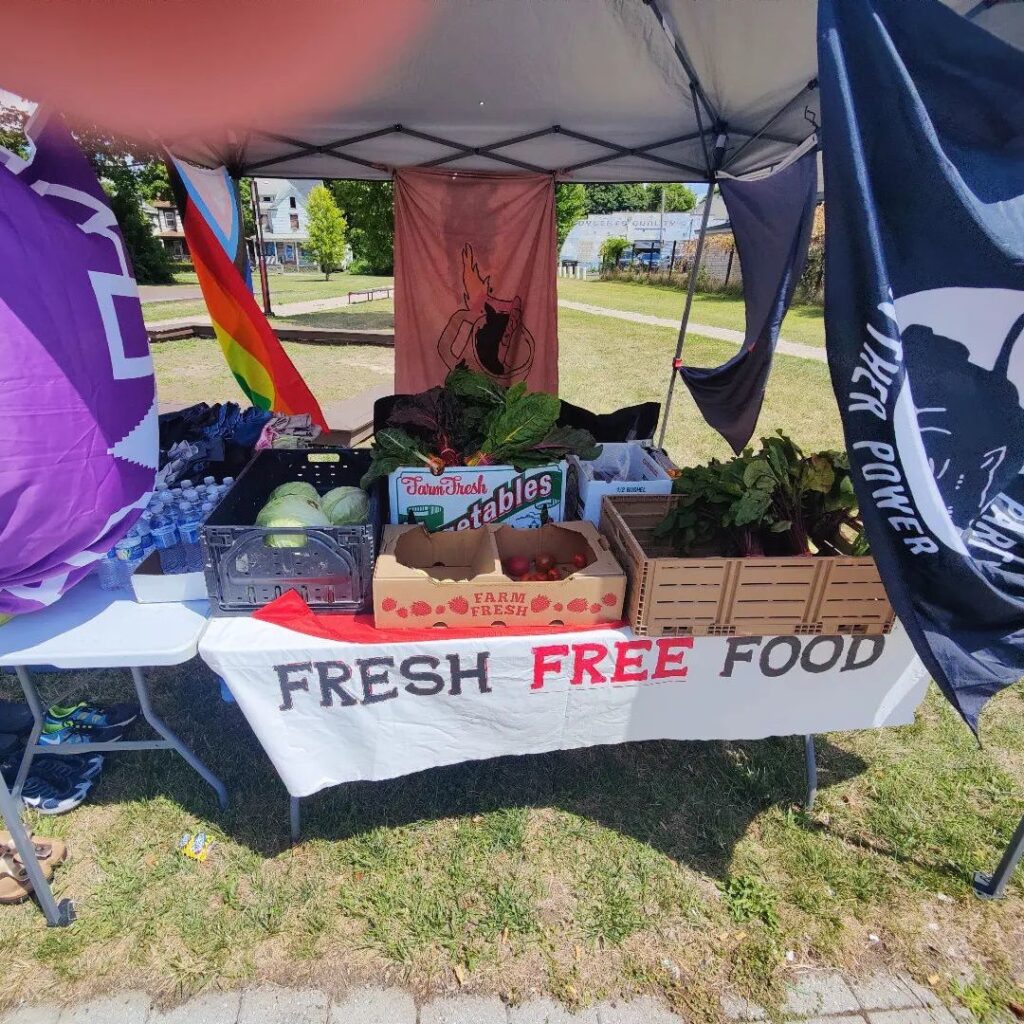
[[217, 439]]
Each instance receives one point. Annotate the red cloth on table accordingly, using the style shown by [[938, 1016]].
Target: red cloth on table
[[290, 611]]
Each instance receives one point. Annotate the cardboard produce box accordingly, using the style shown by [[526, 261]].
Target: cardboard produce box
[[584, 488], [468, 497], [457, 578]]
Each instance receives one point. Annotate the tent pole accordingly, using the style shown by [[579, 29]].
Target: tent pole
[[690, 289], [993, 887], [261, 256]]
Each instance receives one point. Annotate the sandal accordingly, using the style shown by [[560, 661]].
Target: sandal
[[15, 885], [49, 851]]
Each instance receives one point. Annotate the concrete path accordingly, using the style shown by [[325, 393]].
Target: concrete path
[[168, 292], [790, 348], [816, 997], [280, 309]]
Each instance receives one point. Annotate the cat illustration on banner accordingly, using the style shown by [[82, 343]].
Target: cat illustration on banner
[[951, 456], [486, 331]]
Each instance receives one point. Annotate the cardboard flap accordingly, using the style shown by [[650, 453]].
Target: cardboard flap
[[461, 555]]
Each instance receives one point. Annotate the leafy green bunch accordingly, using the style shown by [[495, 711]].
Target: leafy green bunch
[[474, 421], [776, 500]]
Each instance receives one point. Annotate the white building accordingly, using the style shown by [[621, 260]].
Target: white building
[[166, 223], [652, 232], [284, 218]]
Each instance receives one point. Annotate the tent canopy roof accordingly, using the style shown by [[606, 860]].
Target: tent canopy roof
[[593, 90]]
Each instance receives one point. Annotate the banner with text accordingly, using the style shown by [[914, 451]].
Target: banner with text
[[924, 321], [329, 712]]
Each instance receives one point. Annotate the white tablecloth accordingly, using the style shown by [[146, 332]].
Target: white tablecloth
[[329, 712]]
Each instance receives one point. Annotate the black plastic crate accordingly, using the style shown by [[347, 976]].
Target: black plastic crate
[[333, 570]]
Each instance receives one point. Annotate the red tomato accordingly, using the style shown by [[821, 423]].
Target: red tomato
[[579, 560], [544, 562], [554, 573], [517, 565]]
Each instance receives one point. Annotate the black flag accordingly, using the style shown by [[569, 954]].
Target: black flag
[[923, 119], [771, 222]]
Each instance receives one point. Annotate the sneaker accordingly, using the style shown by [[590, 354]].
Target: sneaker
[[47, 798], [74, 733], [90, 716], [15, 718], [67, 771]]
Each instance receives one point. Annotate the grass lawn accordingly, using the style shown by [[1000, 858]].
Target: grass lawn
[[680, 869], [377, 315], [805, 324]]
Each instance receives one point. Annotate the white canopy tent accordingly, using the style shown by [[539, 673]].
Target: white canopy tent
[[590, 90]]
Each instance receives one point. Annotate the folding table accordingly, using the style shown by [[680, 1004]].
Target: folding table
[[92, 628]]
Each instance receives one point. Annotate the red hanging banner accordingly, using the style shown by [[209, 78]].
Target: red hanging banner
[[475, 277]]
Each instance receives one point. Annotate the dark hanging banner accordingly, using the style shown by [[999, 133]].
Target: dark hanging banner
[[923, 117], [771, 223]]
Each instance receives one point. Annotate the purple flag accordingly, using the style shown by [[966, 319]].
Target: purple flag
[[79, 444]]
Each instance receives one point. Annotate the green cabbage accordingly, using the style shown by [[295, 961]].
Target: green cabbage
[[299, 488], [290, 510], [346, 506]]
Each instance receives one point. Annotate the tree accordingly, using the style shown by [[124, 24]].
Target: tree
[[369, 209], [678, 198], [612, 250], [570, 206], [146, 253], [12, 129], [613, 198], [326, 230], [154, 182]]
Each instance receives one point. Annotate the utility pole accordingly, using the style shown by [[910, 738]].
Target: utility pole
[[261, 255], [661, 223]]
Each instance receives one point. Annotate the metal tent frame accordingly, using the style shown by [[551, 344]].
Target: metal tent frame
[[716, 130]]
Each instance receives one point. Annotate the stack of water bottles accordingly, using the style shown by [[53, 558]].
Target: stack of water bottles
[[170, 525]]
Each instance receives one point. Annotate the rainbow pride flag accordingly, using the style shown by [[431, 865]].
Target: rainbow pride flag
[[208, 201]]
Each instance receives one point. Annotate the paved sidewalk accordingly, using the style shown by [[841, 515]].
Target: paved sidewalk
[[280, 309], [789, 348], [817, 997]]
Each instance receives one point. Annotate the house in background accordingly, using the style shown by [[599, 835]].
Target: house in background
[[655, 236], [166, 223], [284, 218]]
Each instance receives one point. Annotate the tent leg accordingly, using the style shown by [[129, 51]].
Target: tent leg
[[261, 254], [811, 759], [993, 887], [294, 818], [690, 289]]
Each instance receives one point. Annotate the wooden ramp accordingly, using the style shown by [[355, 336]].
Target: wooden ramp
[[351, 421]]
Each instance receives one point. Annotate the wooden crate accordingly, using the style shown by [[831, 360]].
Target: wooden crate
[[670, 596]]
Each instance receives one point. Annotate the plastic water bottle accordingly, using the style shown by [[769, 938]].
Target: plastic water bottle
[[129, 554], [209, 481], [184, 484], [208, 507], [227, 481], [165, 537], [142, 533], [109, 571], [188, 528]]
